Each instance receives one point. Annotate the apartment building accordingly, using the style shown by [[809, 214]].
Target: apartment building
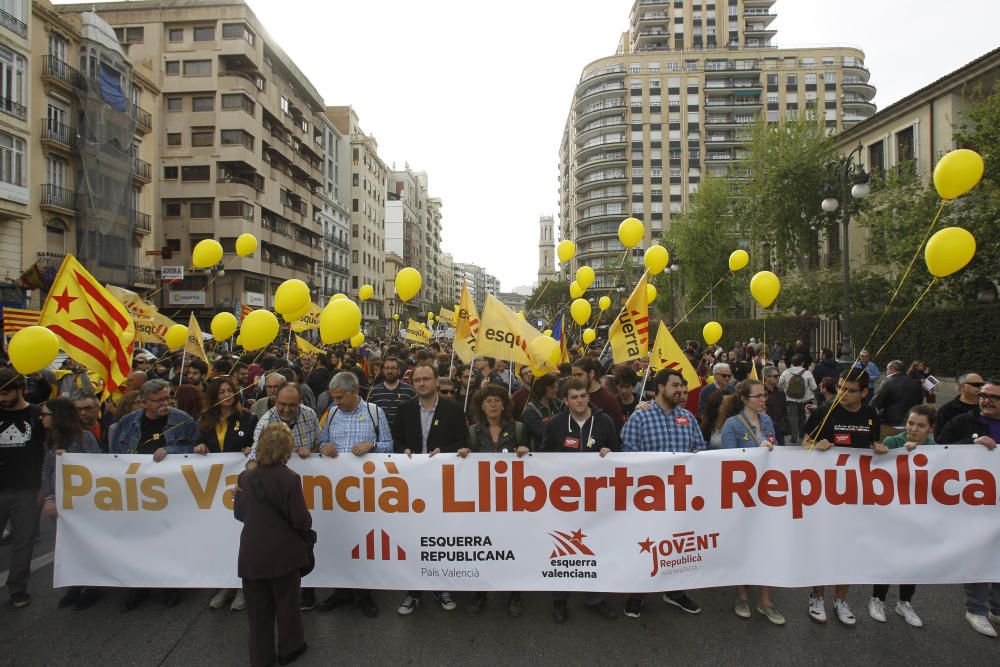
[[368, 196], [243, 148], [446, 278], [477, 280], [674, 104], [436, 293], [405, 223], [335, 218]]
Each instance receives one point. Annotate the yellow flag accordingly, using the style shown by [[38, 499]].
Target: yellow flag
[[150, 324], [417, 332], [753, 370], [629, 333], [668, 354], [504, 335], [467, 328], [305, 347], [195, 345], [446, 315], [308, 321]]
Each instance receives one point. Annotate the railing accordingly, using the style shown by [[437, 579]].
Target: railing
[[343, 245], [142, 169], [14, 24], [12, 108], [257, 81], [141, 222], [142, 117], [58, 132], [57, 69], [54, 195]]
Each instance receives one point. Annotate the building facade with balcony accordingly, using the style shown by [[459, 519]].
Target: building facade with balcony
[[413, 231], [334, 215], [674, 105], [243, 148]]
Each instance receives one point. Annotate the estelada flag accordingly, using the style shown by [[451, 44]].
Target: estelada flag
[[93, 327], [244, 311], [629, 333], [195, 345], [668, 354], [467, 327], [15, 319]]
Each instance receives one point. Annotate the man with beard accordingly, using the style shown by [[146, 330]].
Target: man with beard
[[390, 393]]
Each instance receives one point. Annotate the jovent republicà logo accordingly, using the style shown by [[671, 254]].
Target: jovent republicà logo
[[570, 557], [381, 551], [681, 552]]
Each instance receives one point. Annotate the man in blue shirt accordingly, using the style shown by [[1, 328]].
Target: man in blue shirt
[[665, 427], [865, 363]]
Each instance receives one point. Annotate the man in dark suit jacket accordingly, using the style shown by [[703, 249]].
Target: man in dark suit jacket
[[428, 424], [893, 400]]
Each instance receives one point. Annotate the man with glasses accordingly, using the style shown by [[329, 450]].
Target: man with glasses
[[88, 411], [722, 375], [776, 402], [301, 419], [446, 389], [272, 384], [969, 385], [799, 386], [848, 422]]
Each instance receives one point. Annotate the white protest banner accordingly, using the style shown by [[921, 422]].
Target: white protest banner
[[625, 523]]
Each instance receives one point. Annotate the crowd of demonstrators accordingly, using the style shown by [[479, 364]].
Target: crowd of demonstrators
[[424, 401]]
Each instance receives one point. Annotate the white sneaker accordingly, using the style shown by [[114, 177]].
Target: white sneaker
[[844, 614], [876, 609], [220, 599], [445, 600], [980, 624], [407, 606], [239, 602], [905, 609], [817, 610]]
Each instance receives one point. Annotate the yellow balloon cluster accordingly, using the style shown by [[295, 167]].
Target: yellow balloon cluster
[[948, 251], [575, 290], [958, 172], [712, 333], [544, 350], [764, 287], [32, 348], [208, 252]]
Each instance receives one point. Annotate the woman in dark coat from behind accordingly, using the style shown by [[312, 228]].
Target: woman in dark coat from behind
[[272, 550]]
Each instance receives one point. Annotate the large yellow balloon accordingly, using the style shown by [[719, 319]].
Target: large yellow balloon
[[575, 290], [585, 277], [604, 303], [245, 244], [957, 172], [630, 232], [408, 283], [291, 296], [224, 325], [949, 251], [366, 292], [338, 296], [176, 336], [339, 321], [738, 260], [259, 328], [357, 340], [207, 253], [764, 287], [565, 250], [580, 310], [650, 293], [32, 348], [544, 350], [712, 332], [299, 314], [589, 336], [656, 259]]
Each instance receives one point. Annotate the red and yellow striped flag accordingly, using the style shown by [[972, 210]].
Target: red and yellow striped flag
[[244, 311], [93, 327], [15, 319]]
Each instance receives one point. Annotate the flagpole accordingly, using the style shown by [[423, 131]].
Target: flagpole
[[468, 385]]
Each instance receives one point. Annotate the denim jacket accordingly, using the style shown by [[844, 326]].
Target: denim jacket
[[181, 435]]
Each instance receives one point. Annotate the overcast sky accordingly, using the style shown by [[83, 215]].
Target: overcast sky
[[476, 94]]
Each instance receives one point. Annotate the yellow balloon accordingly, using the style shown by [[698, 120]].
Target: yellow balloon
[[259, 328], [340, 320], [544, 350], [32, 348], [207, 253], [291, 296], [338, 296], [521, 314], [297, 315], [604, 303], [580, 310], [764, 287], [948, 251], [957, 172], [547, 332], [245, 244], [395, 316], [357, 340], [575, 290], [650, 293], [656, 259], [408, 283], [224, 325], [585, 277], [565, 250], [589, 336], [630, 232], [176, 336], [366, 292], [738, 260], [712, 332], [430, 315]]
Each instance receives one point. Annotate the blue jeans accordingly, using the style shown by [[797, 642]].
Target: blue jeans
[[981, 598]]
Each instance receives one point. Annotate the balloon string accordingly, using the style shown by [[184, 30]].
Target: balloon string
[[539, 297], [700, 301], [906, 317]]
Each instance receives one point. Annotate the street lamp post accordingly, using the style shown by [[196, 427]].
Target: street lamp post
[[852, 182]]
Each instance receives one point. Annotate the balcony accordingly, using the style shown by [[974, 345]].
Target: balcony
[[12, 108], [55, 71], [143, 119], [141, 222], [58, 199], [250, 179], [343, 245], [142, 171], [58, 135], [14, 24]]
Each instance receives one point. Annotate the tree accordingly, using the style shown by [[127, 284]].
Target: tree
[[546, 300]]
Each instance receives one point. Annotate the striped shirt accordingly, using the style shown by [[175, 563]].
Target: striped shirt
[[345, 429], [305, 429], [390, 399], [655, 430]]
